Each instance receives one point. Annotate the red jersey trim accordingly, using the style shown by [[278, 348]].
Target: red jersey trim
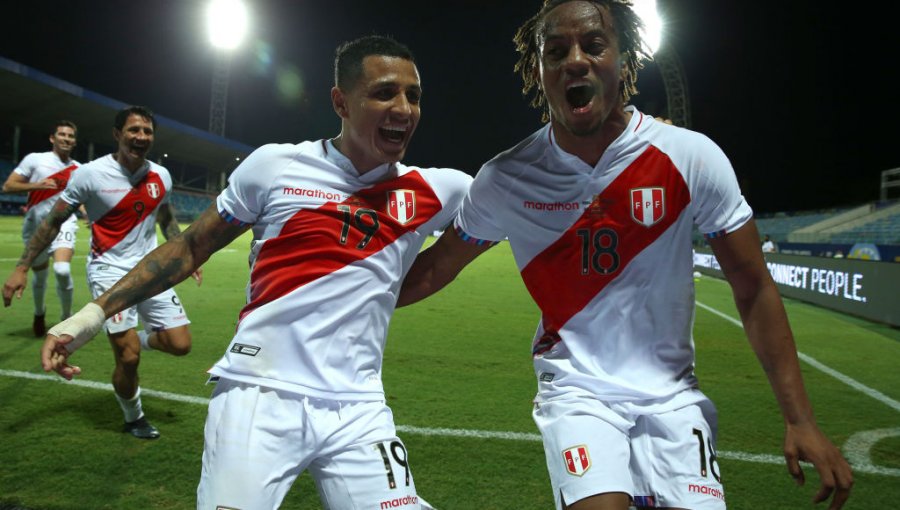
[[595, 250], [61, 177], [317, 242], [134, 208]]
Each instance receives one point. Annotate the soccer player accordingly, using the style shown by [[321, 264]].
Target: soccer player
[[336, 224], [43, 175], [125, 196], [598, 206]]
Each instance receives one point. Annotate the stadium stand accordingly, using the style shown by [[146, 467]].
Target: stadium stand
[[30, 101]]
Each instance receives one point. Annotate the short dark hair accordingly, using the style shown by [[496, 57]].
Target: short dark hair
[[128, 111], [349, 57], [63, 123], [628, 27]]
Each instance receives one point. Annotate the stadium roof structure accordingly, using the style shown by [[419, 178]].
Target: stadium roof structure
[[34, 100]]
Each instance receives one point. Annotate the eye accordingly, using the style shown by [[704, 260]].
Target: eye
[[414, 96], [595, 48], [384, 94]]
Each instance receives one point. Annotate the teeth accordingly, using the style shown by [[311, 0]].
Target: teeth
[[397, 129]]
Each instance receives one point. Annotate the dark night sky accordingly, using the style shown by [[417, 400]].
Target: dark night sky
[[801, 97]]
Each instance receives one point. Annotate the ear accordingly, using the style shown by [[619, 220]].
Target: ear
[[116, 135], [339, 102], [623, 66]]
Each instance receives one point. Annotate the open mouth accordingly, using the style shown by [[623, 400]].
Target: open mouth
[[579, 97], [393, 134]]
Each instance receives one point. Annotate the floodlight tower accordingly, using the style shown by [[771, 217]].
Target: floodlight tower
[[677, 99], [226, 23]]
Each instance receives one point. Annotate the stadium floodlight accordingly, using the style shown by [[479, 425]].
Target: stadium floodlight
[[226, 22], [653, 24]]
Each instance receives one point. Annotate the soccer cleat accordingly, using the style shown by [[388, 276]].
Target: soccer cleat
[[39, 326], [141, 429]]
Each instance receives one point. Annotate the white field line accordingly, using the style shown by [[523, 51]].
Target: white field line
[[864, 467], [858, 386], [73, 258]]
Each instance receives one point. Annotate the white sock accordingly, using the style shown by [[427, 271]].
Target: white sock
[[38, 289], [131, 408], [64, 287], [144, 336]]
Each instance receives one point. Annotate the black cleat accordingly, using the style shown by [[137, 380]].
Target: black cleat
[[141, 429], [39, 326]]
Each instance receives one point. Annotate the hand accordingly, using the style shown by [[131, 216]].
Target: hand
[[198, 275], [46, 184], [55, 356], [14, 285], [807, 443]]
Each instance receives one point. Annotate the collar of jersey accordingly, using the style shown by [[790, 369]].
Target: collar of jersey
[[133, 178], [614, 148], [374, 175]]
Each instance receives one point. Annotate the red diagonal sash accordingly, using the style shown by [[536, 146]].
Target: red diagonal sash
[[555, 277], [134, 207], [62, 178], [317, 242]]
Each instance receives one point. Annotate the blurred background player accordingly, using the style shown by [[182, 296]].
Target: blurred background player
[[125, 196], [43, 175], [336, 224], [618, 405]]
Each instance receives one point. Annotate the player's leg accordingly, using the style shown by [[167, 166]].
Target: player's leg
[[256, 442], [38, 277], [126, 383], [38, 291], [587, 449], [166, 324], [674, 458], [63, 247], [126, 349], [364, 464]]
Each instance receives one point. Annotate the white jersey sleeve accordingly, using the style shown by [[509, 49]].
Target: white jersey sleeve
[[717, 203], [249, 185], [79, 188], [475, 217], [27, 166]]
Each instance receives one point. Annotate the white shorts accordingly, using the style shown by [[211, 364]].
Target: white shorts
[[257, 440], [65, 238], [162, 311], [665, 459]]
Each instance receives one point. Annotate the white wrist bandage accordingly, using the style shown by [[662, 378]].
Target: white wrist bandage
[[81, 327]]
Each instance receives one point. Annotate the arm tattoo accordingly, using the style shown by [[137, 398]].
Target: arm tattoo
[[173, 261], [46, 232], [167, 221]]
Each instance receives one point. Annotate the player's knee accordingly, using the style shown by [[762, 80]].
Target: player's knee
[[62, 269], [178, 344]]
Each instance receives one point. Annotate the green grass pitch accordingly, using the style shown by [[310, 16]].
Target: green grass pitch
[[458, 377]]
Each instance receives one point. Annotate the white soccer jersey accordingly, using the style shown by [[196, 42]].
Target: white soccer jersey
[[330, 249], [122, 208], [606, 254], [38, 166]]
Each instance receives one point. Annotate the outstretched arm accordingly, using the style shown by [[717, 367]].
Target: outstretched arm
[[437, 266], [766, 324], [45, 234], [165, 217], [161, 269]]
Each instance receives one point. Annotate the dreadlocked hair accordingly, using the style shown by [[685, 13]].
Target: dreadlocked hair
[[627, 25]]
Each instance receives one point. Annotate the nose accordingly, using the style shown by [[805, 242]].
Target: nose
[[576, 61], [401, 107]]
